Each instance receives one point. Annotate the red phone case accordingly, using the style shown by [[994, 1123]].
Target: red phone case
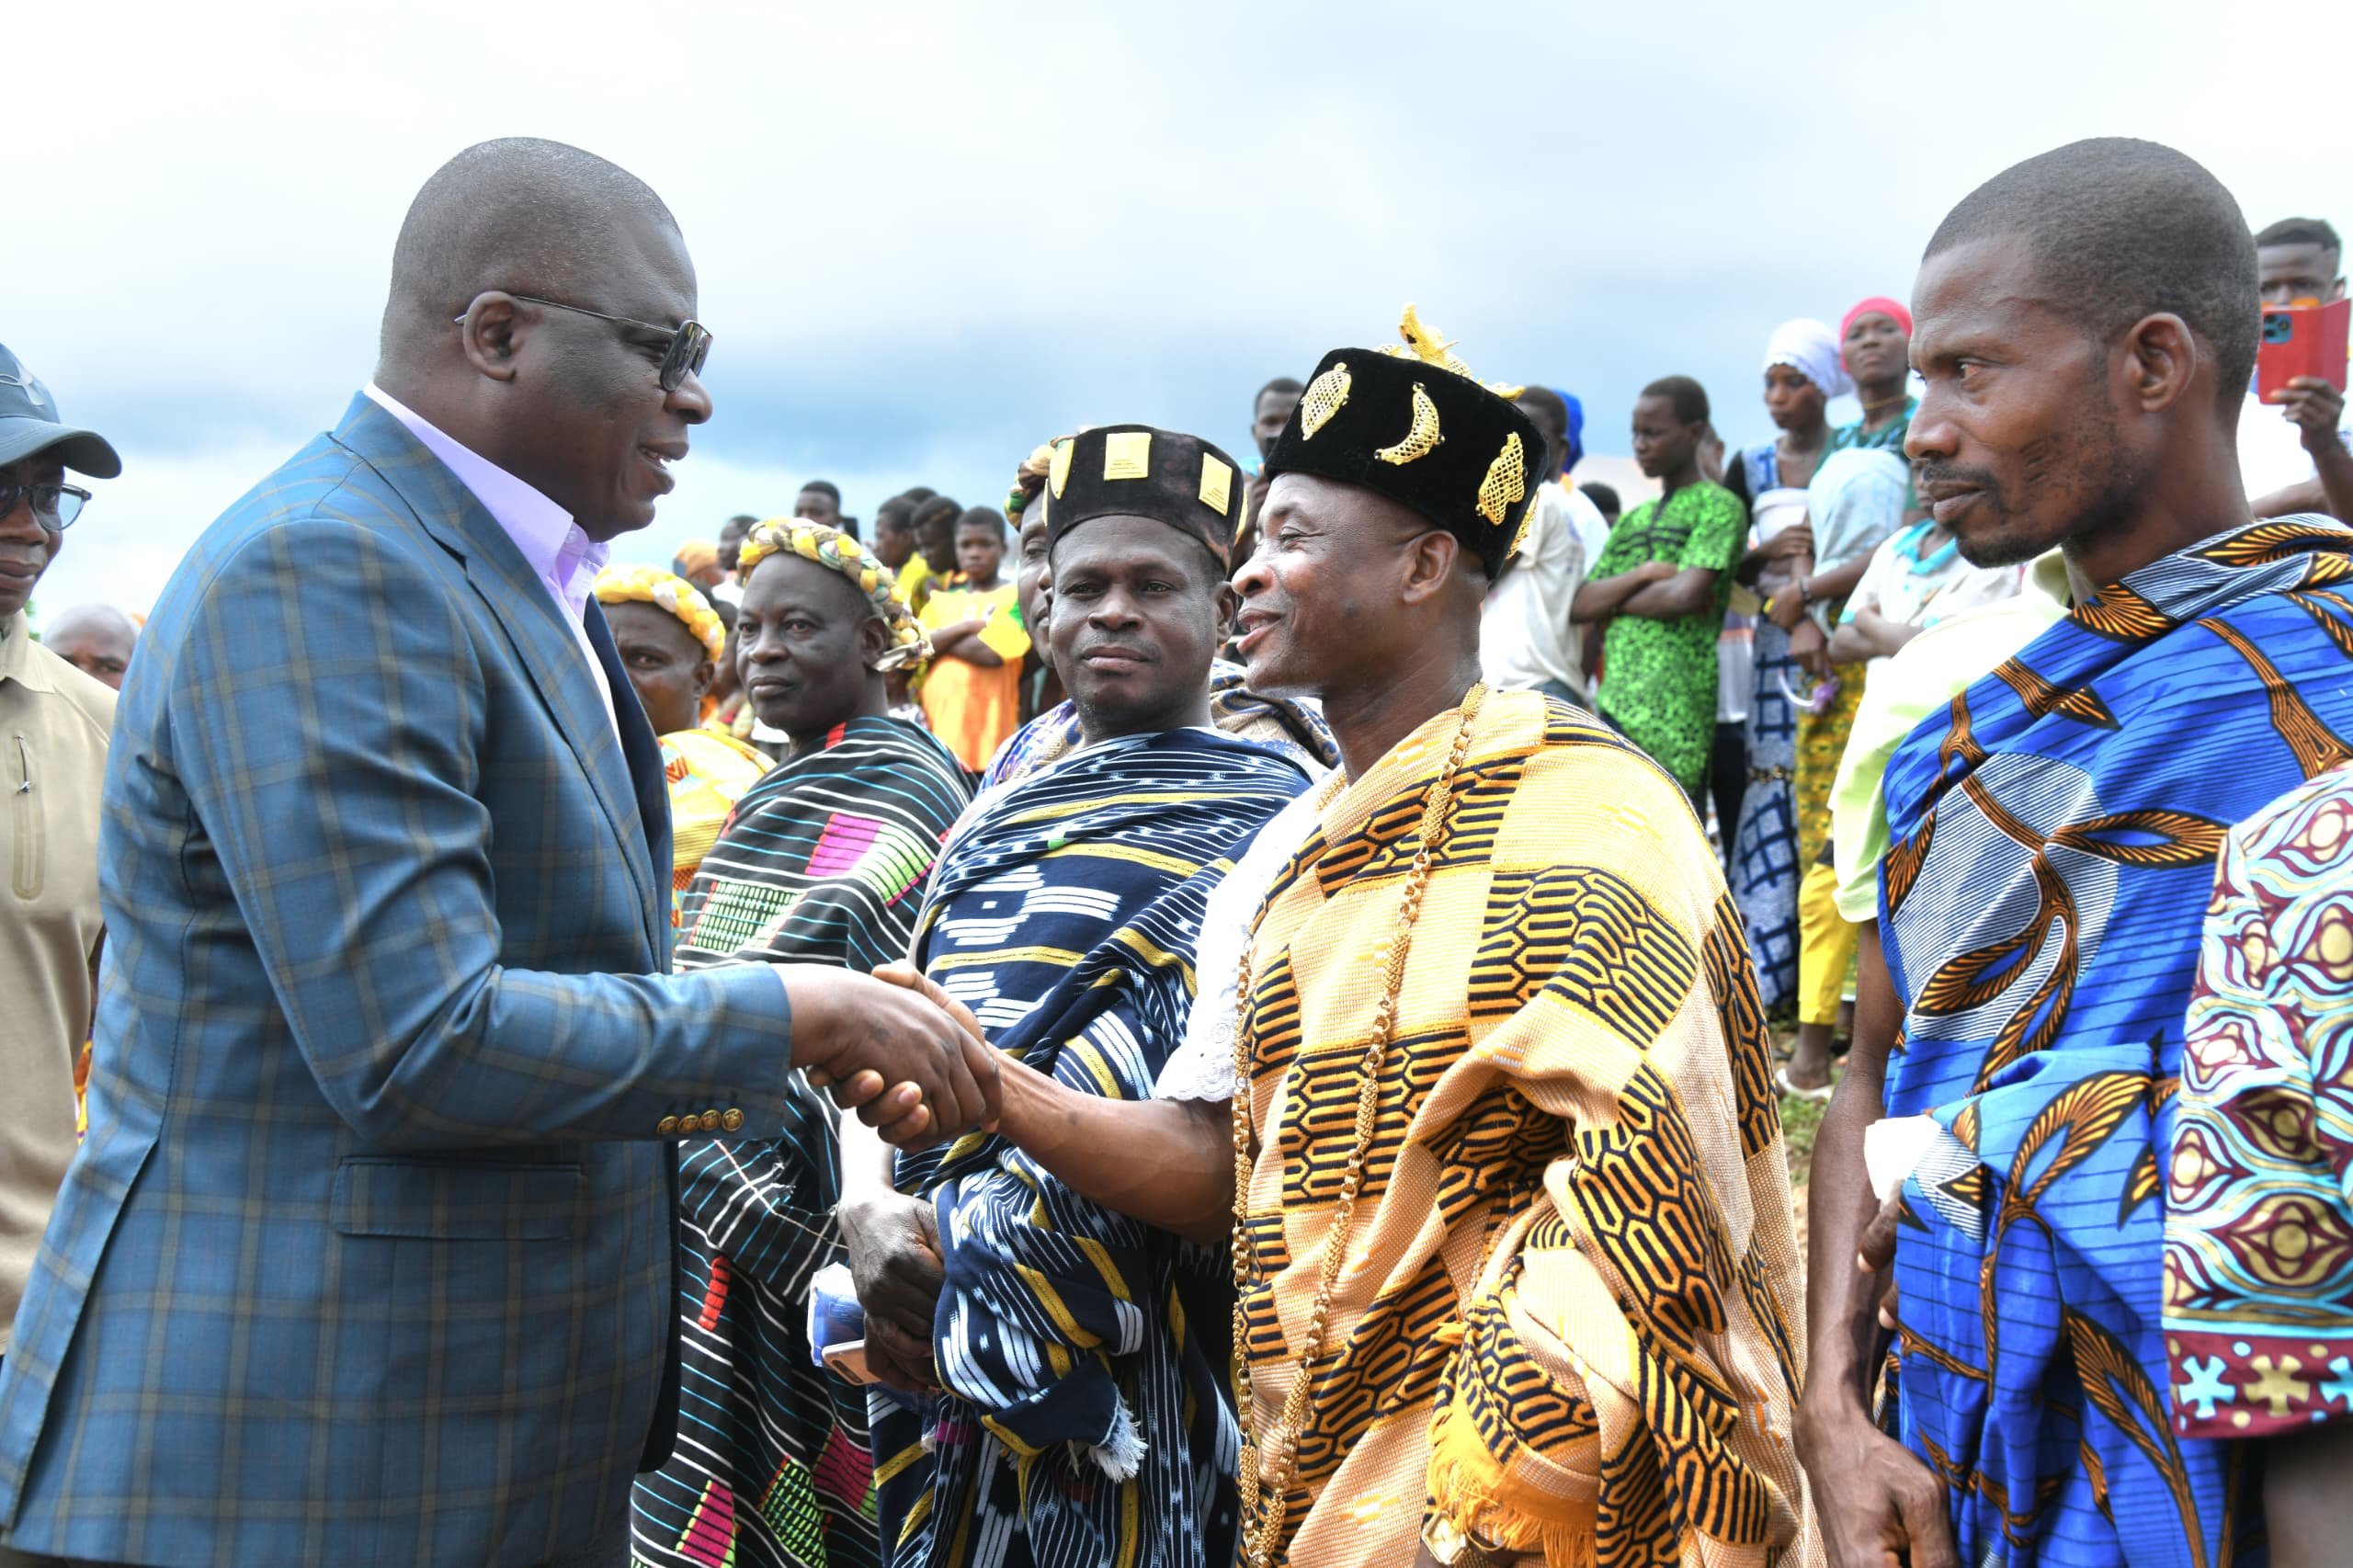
[[2302, 340]]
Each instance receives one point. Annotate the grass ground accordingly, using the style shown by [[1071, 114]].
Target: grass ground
[[1800, 1120]]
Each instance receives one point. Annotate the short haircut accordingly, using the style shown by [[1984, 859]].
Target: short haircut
[[824, 487], [894, 513], [533, 216], [1289, 386], [918, 495], [2300, 231], [938, 512], [989, 518], [2119, 230], [1687, 396], [1604, 497]]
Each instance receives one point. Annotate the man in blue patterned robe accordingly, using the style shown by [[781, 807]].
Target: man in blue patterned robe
[[1069, 1363], [2086, 323]]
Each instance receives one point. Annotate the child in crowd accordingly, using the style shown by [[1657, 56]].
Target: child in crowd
[[972, 693], [933, 566]]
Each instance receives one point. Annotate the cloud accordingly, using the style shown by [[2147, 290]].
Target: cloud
[[928, 235]]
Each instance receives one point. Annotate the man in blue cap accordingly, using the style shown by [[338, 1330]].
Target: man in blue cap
[[53, 719]]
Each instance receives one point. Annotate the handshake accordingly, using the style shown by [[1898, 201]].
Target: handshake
[[893, 1048]]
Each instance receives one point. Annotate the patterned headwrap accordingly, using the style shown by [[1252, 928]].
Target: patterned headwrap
[[696, 555], [652, 585], [1806, 346], [1029, 480], [833, 549]]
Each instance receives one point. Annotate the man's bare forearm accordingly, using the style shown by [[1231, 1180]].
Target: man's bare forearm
[[1686, 593], [1842, 1302], [2304, 495], [1166, 1162], [1599, 599]]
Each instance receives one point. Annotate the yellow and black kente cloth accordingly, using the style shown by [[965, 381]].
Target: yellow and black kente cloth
[[1571, 1318]]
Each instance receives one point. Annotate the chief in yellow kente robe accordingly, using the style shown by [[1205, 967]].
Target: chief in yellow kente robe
[[1569, 1319]]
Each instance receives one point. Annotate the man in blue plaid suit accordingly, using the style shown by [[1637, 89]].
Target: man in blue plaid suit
[[368, 1257]]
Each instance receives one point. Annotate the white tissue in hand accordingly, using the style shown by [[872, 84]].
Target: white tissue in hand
[[1892, 1149]]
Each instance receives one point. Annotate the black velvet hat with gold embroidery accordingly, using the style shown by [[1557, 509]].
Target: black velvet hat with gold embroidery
[[1134, 470], [1412, 423]]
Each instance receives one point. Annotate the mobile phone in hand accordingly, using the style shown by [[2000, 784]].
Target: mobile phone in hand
[[2302, 340], [847, 1361]]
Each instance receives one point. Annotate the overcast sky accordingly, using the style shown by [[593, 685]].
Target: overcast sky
[[930, 236]]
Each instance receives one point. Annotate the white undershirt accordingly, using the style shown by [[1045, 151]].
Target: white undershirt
[[1201, 1067]]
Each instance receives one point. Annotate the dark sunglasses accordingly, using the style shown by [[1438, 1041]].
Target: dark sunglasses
[[689, 343], [55, 506]]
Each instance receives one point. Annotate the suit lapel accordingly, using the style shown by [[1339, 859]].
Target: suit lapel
[[534, 626], [641, 752]]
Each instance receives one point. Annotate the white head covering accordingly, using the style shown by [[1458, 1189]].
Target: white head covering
[[1811, 349]]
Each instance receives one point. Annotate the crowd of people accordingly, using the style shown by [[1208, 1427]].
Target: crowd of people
[[1209, 1011]]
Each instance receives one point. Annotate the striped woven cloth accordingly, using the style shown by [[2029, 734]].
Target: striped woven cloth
[[1087, 1419], [823, 861]]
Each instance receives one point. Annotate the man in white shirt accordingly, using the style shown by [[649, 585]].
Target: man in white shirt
[[1525, 640]]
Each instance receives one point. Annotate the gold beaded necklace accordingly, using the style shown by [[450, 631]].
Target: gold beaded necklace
[[1263, 1493]]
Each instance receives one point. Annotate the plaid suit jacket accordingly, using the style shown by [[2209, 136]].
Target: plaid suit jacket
[[368, 1257]]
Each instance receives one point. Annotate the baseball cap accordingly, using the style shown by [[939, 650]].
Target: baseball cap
[[28, 424]]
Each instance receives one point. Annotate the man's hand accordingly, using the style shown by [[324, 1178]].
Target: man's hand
[[2317, 409], [1018, 1086], [1877, 1252], [894, 1259], [1879, 1507], [1654, 570], [910, 1070], [907, 977]]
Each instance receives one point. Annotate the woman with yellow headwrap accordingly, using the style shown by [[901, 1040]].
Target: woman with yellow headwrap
[[825, 862], [669, 640]]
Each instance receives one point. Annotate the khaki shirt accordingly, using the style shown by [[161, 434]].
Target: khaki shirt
[[53, 725]]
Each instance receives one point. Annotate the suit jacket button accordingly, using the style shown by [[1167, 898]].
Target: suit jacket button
[[666, 1126], [711, 1120], [733, 1120]]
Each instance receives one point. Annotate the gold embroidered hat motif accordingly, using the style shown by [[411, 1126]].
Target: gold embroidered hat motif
[[1134, 470], [1413, 423]]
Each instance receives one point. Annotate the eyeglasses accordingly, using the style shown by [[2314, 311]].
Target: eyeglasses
[[55, 506], [689, 342]]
